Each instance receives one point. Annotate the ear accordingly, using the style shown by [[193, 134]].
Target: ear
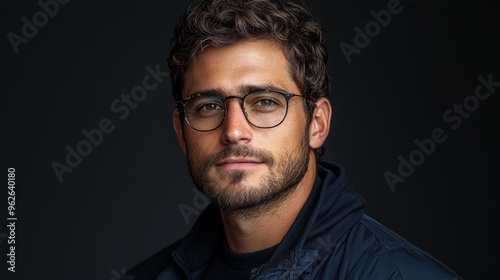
[[179, 131], [320, 123]]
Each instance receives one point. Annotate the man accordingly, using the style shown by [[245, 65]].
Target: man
[[250, 82]]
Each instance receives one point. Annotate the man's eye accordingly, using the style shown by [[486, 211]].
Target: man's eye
[[265, 103], [210, 107], [209, 110]]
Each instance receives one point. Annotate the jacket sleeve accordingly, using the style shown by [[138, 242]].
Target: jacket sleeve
[[379, 253]]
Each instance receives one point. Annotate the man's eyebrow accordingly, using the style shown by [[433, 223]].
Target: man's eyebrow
[[242, 90], [249, 88], [214, 91]]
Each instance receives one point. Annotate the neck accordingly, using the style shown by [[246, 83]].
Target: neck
[[265, 226]]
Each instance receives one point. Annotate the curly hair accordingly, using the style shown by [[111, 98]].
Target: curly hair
[[217, 23]]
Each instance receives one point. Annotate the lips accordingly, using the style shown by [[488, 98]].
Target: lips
[[238, 164]]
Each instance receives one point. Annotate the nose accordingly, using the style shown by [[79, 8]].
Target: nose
[[235, 129]]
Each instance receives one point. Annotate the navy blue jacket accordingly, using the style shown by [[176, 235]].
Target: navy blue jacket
[[339, 241]]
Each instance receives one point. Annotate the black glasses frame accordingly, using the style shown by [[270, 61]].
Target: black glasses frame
[[181, 105]]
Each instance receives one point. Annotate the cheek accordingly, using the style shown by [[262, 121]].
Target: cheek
[[199, 144], [295, 129], [286, 138]]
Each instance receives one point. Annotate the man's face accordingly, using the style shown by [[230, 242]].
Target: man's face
[[237, 164]]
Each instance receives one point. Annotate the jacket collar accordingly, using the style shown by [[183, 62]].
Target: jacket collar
[[336, 211]]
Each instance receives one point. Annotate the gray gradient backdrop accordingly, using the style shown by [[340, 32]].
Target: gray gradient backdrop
[[120, 203]]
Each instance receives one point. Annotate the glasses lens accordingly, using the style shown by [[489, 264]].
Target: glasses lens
[[265, 108], [204, 112]]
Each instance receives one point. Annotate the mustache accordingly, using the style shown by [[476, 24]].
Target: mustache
[[240, 151]]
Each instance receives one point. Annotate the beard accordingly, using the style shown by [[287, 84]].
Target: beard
[[283, 175]]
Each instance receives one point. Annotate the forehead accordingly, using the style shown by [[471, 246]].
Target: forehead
[[235, 66]]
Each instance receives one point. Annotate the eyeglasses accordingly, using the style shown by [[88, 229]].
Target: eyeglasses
[[263, 109]]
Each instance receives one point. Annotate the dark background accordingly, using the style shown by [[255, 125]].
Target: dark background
[[120, 204]]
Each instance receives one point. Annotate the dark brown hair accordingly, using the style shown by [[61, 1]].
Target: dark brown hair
[[219, 23]]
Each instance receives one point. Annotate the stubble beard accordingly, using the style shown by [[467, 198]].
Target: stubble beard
[[283, 175]]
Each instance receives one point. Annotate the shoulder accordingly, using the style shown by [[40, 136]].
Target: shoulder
[[376, 250], [151, 267]]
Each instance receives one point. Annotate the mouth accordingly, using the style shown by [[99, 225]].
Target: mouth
[[238, 164]]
